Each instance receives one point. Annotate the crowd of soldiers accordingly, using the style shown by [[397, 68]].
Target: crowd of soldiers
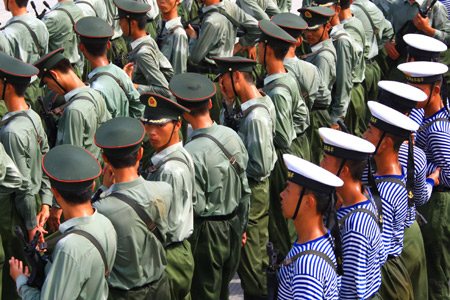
[[328, 178]]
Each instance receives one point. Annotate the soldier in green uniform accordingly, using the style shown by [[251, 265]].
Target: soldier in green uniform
[[93, 8], [28, 40], [4, 47], [323, 56], [310, 84], [60, 22], [291, 123], [24, 140], [148, 68], [172, 38], [118, 51], [172, 164], [259, 9], [10, 182], [256, 129], [221, 194], [84, 111], [115, 86], [138, 210], [217, 38], [85, 253]]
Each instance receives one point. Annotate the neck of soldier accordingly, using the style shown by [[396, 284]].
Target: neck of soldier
[[137, 33], [15, 103], [202, 121], [170, 15], [291, 52], [71, 211], [351, 192], [71, 81], [434, 105], [97, 61], [17, 11], [211, 2], [335, 20], [274, 66], [248, 92], [345, 14], [126, 174], [309, 227], [387, 163], [174, 140]]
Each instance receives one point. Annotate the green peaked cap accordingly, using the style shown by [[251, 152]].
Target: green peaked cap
[[234, 63], [70, 168], [291, 23], [273, 35], [120, 136], [160, 110], [14, 70], [47, 61], [93, 30], [133, 10], [325, 3], [192, 89], [316, 16]]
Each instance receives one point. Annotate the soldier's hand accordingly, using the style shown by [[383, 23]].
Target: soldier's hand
[[237, 48], [251, 52], [225, 93], [16, 268], [335, 127], [435, 176], [42, 217], [108, 176], [32, 232], [128, 68], [391, 51], [54, 219], [244, 239], [422, 24], [191, 32]]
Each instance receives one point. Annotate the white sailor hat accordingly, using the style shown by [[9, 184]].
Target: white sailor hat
[[423, 47], [345, 145], [310, 176], [390, 120], [421, 72], [400, 93]]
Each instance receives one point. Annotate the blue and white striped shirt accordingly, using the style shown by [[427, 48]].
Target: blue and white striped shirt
[[395, 204], [435, 142], [363, 252], [310, 276], [422, 187], [417, 115]]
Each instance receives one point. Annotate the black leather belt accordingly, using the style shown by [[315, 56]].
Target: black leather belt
[[220, 218], [441, 189], [320, 107]]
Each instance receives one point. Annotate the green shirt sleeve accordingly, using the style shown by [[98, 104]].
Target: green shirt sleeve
[[284, 126], [148, 64], [207, 40], [180, 50]]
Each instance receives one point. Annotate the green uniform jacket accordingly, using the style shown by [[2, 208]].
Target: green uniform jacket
[[140, 255], [19, 137], [111, 13], [77, 270], [355, 29], [181, 177], [347, 61], [377, 29], [257, 130], [4, 44], [217, 35], [325, 61], [401, 11], [10, 177], [62, 33], [21, 41], [81, 119], [309, 82], [97, 8], [120, 103], [152, 70], [219, 190], [259, 9], [175, 45]]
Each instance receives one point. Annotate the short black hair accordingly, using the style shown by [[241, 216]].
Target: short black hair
[[248, 76], [397, 140], [22, 3], [142, 22], [125, 161], [356, 168], [63, 66], [77, 197], [279, 52], [200, 111], [95, 49], [322, 200], [344, 4], [19, 88]]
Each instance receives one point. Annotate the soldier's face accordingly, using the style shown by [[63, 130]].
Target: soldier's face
[[330, 163], [165, 6], [52, 85], [159, 135], [372, 134], [426, 88], [313, 36], [289, 199], [226, 86], [123, 23]]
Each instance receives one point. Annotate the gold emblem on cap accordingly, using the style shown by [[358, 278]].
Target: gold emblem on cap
[[290, 174], [308, 14], [373, 120], [415, 79], [152, 102], [230, 69], [328, 148]]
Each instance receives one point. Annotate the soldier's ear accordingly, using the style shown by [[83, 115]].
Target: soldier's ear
[[108, 45], [299, 41]]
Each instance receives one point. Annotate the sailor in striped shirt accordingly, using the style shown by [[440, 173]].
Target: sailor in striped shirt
[[387, 130], [306, 198], [363, 253], [434, 139]]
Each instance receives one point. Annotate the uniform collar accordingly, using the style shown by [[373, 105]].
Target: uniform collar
[[77, 221], [73, 92], [10, 114], [128, 185], [347, 20], [136, 43], [21, 17], [208, 8], [99, 69], [251, 102], [157, 157], [273, 77], [204, 130], [172, 23]]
